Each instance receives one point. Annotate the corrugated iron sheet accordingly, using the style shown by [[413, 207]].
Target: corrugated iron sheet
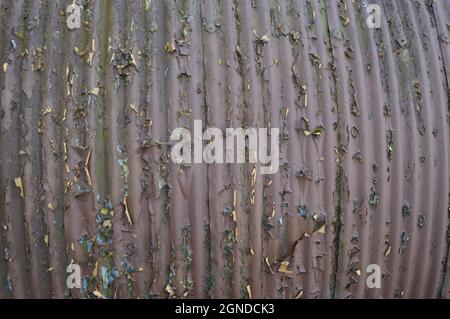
[[85, 169]]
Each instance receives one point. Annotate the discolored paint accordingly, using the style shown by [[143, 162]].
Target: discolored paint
[[85, 169]]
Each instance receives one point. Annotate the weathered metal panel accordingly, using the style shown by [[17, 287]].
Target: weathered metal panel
[[85, 170]]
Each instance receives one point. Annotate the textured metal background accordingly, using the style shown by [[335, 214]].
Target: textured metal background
[[85, 173]]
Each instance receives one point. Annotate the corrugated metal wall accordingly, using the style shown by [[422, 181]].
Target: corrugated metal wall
[[85, 169]]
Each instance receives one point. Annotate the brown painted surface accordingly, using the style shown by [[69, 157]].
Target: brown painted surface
[[86, 175]]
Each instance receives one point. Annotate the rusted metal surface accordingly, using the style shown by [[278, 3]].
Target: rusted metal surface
[[85, 169]]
